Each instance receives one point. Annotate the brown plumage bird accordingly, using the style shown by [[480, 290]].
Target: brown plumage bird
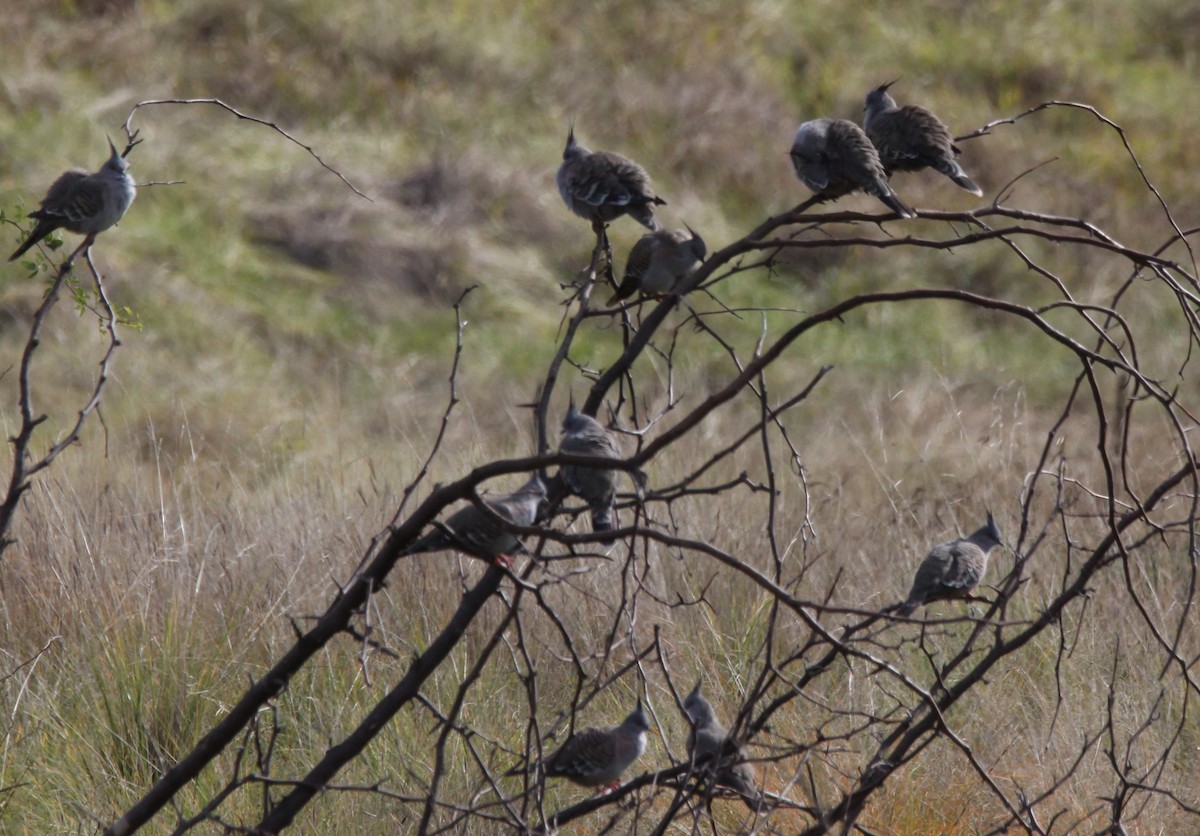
[[585, 436], [597, 757], [601, 186], [84, 203], [659, 261], [707, 738], [473, 531], [833, 157], [911, 138], [952, 570]]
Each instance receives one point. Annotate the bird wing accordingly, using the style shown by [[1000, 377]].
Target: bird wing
[[594, 440], [82, 203], [813, 169], [930, 575], [636, 265], [912, 136], [965, 568], [470, 530], [707, 740], [950, 571], [732, 771], [61, 195], [586, 753], [516, 508], [595, 485], [640, 257], [854, 158], [605, 178]]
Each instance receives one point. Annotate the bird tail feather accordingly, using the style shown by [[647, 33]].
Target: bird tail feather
[[39, 232], [624, 290], [967, 183], [603, 519], [645, 215], [896, 204], [955, 172]]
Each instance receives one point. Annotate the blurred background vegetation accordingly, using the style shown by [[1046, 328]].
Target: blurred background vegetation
[[290, 368]]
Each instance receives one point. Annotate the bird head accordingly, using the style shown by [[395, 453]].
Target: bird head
[[810, 139], [573, 148], [115, 161], [572, 416], [697, 708], [637, 719], [991, 529], [878, 99], [699, 248], [575, 421]]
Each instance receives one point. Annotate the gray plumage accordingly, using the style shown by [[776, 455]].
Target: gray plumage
[[601, 186], [583, 435], [659, 261], [83, 203], [596, 757], [911, 138], [708, 737], [479, 534], [952, 570], [833, 157]]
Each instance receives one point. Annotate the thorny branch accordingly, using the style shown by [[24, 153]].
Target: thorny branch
[[880, 696], [26, 464]]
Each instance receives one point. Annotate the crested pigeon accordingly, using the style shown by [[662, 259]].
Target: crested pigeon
[[833, 157], [709, 738], [953, 569], [585, 436], [911, 138], [659, 261], [84, 203], [475, 532], [596, 757], [601, 186]]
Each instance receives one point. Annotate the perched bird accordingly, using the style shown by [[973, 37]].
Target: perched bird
[[585, 436], [911, 138], [833, 157], [952, 569], [480, 534], [84, 203], [707, 737], [596, 757], [659, 261], [601, 186]]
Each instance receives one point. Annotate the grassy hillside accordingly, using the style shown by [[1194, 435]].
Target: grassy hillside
[[290, 369]]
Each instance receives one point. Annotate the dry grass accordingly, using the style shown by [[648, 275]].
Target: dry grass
[[160, 594]]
